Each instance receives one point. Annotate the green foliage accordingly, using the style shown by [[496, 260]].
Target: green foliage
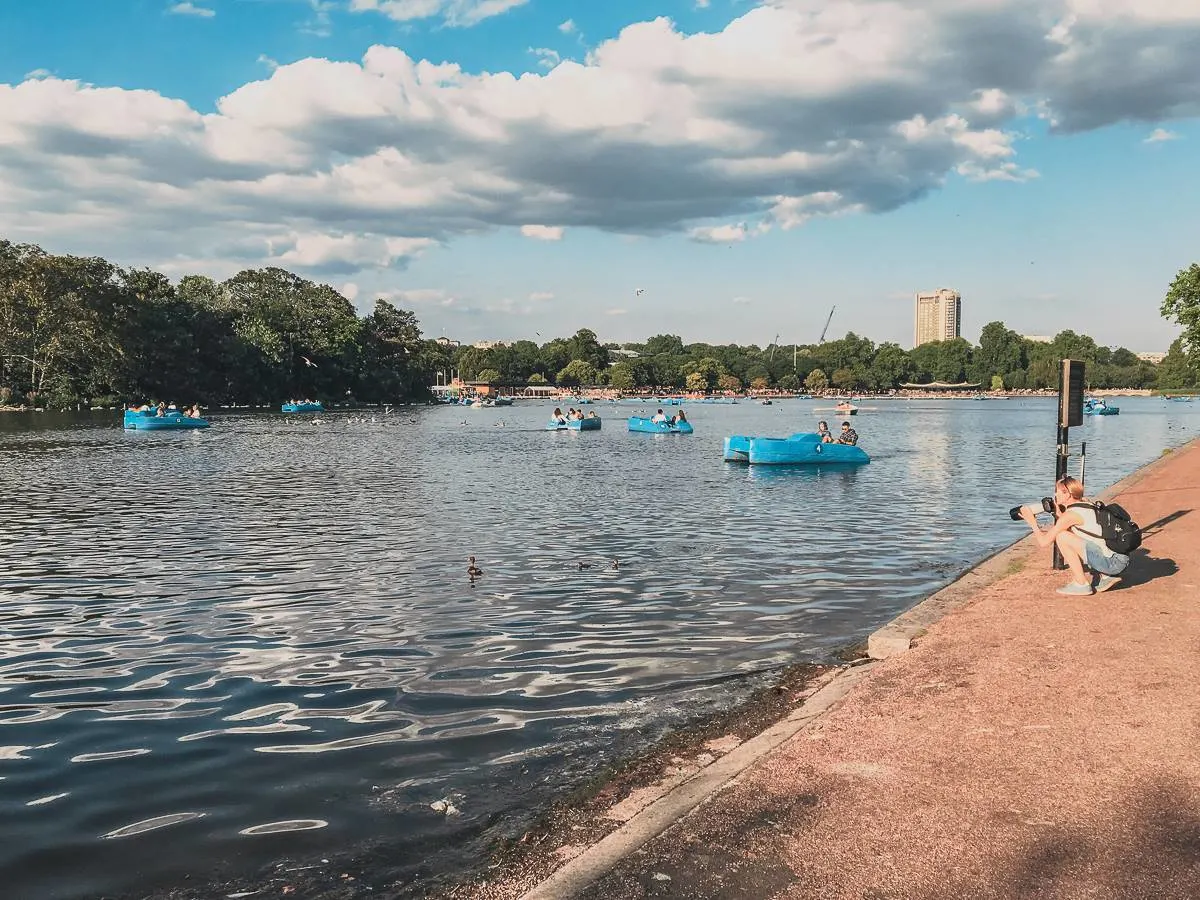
[[621, 377], [73, 329], [491, 376], [1182, 306], [696, 382], [997, 382], [817, 380], [577, 372], [1176, 372]]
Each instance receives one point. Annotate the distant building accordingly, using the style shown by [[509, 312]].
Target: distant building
[[937, 316], [621, 353], [448, 342], [1155, 358], [1038, 338], [489, 345]]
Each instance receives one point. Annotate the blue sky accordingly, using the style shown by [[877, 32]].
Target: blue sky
[[746, 165]]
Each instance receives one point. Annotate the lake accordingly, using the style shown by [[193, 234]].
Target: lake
[[257, 645]]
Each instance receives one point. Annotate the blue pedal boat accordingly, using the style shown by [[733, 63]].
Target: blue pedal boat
[[574, 425], [306, 406], [172, 420], [638, 423], [1093, 407], [804, 449]]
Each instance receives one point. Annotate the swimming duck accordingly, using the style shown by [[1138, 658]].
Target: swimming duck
[[473, 570]]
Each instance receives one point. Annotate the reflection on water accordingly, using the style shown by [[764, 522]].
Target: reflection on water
[[224, 648]]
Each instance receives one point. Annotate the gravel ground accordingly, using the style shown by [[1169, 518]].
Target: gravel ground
[[1029, 745]]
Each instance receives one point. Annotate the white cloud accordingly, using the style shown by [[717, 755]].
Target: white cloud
[[702, 4], [741, 301], [541, 296], [543, 232], [455, 13], [568, 27], [1158, 135], [796, 110], [190, 9], [616, 312], [38, 74], [546, 57], [724, 234], [267, 61]]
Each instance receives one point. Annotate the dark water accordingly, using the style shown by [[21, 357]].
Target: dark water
[[223, 650]]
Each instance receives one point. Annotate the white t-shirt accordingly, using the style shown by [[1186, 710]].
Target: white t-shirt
[[1088, 515]]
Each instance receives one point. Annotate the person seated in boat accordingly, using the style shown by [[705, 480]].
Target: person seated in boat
[[558, 416], [823, 432], [659, 418], [161, 409], [592, 414], [679, 418], [193, 411], [848, 435]]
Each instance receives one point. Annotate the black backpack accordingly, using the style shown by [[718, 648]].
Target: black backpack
[[1120, 533]]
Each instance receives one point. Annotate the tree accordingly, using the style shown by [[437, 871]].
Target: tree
[[997, 383], [490, 376], [537, 378], [760, 383], [789, 382], [843, 379], [1182, 306], [729, 383], [891, 366], [394, 362], [1000, 350], [577, 372], [695, 382], [585, 346], [664, 343], [1176, 371], [817, 380], [620, 376]]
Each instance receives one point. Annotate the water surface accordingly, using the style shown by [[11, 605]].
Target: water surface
[[258, 645]]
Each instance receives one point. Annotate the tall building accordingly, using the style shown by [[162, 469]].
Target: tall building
[[938, 316]]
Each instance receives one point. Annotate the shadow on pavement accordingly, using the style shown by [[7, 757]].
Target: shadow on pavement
[[1144, 568], [1147, 848]]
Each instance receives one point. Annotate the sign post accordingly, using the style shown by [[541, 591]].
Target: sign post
[[1070, 414]]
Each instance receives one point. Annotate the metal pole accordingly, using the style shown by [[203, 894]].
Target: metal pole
[[1082, 461], [1060, 471]]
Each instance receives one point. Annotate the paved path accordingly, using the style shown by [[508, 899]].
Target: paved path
[[1030, 745]]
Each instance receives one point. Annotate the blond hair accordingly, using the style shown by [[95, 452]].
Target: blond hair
[[1072, 486]]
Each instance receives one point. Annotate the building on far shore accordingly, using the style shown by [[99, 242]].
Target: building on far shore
[[1038, 338], [1155, 358], [937, 316], [488, 345]]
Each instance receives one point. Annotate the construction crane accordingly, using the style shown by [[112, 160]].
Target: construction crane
[[826, 328], [774, 344]]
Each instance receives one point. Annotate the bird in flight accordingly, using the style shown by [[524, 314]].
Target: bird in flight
[[639, 292], [308, 362]]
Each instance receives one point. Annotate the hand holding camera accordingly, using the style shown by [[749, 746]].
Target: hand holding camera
[[1046, 506]]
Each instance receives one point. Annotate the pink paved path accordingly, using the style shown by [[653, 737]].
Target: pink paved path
[[1030, 745]]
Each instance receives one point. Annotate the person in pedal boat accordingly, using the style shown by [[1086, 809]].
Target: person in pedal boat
[[1079, 539]]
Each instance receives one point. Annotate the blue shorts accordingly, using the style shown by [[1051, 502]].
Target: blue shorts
[[1106, 565]]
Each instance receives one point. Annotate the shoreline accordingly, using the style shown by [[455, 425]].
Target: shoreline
[[561, 856]]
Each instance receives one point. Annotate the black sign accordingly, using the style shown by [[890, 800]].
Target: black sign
[[1070, 394]]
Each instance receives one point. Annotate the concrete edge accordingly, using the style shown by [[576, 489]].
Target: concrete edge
[[897, 635], [600, 858]]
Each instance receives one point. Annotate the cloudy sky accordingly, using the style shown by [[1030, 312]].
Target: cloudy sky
[[514, 167]]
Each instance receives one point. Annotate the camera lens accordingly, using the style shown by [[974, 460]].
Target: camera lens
[[1015, 513], [1048, 504]]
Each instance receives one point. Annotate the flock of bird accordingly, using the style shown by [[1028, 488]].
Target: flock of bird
[[473, 571]]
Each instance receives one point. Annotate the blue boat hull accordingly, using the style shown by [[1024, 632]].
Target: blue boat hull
[[575, 425], [803, 449], [637, 423], [302, 407], [148, 421]]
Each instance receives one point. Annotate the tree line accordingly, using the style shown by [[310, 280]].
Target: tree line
[[82, 330], [1003, 359]]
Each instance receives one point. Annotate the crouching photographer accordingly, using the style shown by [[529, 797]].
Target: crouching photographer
[[1089, 535]]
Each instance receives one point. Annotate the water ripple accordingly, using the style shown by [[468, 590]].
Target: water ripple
[[271, 627]]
